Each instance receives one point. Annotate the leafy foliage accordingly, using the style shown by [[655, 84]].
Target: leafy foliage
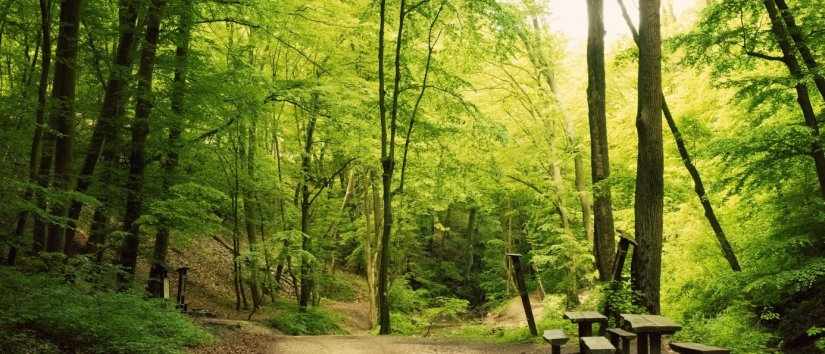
[[43, 306]]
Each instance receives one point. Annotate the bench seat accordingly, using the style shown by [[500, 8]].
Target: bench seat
[[597, 345], [555, 337], [621, 333], [621, 339], [696, 348]]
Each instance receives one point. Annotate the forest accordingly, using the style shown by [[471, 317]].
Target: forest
[[413, 176]]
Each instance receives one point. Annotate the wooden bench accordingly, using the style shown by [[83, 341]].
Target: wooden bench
[[696, 348], [620, 339], [596, 345], [556, 338]]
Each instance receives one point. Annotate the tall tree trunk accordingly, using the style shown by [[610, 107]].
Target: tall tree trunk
[[140, 130], [780, 33], [110, 113], [802, 45], [176, 98], [306, 268], [39, 121], [62, 114], [650, 161], [388, 132], [698, 185], [249, 215], [604, 243]]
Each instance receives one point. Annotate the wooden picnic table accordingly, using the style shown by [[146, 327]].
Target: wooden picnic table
[[650, 329], [584, 320]]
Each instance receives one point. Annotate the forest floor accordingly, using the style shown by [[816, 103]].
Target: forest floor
[[209, 294]]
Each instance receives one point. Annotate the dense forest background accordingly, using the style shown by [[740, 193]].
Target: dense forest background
[[413, 144]]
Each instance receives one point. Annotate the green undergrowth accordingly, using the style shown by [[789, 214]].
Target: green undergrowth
[[314, 321], [43, 314], [486, 332]]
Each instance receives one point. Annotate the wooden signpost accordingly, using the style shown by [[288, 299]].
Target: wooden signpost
[[515, 259]]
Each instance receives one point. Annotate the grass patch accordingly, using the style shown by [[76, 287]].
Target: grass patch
[[315, 321], [45, 310]]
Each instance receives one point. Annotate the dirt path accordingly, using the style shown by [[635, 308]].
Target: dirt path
[[392, 345], [249, 337]]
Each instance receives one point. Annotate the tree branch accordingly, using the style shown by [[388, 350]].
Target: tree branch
[[764, 56], [326, 181], [228, 20], [430, 46]]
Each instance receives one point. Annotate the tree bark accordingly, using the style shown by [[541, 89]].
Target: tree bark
[[780, 33], [39, 121], [140, 131], [604, 243], [648, 206], [62, 114], [110, 113]]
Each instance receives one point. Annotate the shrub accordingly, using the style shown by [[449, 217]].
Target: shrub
[[339, 287], [92, 321], [314, 321], [734, 328]]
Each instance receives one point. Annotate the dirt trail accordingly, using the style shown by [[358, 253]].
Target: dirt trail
[[393, 345], [512, 314], [250, 337]]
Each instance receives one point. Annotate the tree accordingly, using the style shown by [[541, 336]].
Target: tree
[[37, 139], [604, 237], [687, 161], [111, 111], [62, 114], [782, 38], [648, 206], [140, 131]]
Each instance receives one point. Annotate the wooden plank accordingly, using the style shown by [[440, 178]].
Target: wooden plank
[[597, 345], [585, 316], [651, 323], [555, 337], [621, 333], [696, 348]]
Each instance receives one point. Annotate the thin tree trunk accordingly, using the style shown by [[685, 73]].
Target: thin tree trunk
[[802, 45], [650, 161], [140, 130], [604, 242], [62, 114], [306, 267], [249, 215], [39, 121], [698, 185], [170, 162], [388, 164], [371, 235], [803, 98], [110, 113]]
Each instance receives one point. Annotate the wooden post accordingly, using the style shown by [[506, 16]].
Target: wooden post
[[618, 267], [515, 260], [621, 255], [182, 288]]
